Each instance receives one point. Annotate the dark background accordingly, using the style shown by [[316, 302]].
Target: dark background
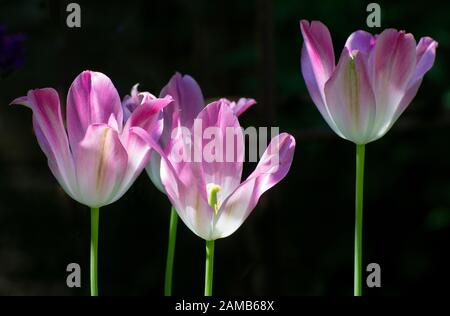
[[299, 239]]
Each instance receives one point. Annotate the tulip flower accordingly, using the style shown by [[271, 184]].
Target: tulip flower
[[187, 103], [100, 155], [208, 193], [376, 78]]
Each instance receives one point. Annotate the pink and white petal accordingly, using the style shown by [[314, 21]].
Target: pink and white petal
[[23, 101], [186, 192], [51, 135], [130, 102], [101, 164], [134, 90], [92, 98], [148, 115], [317, 64], [394, 61], [361, 41], [188, 102], [190, 204], [425, 56], [317, 95], [154, 170], [273, 167], [181, 152], [406, 100], [222, 155], [319, 49], [242, 105], [138, 149], [350, 98]]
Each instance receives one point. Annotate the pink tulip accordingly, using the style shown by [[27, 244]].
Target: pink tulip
[[101, 154], [187, 103], [374, 81], [208, 194]]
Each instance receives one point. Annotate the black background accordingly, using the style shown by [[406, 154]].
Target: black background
[[299, 240]]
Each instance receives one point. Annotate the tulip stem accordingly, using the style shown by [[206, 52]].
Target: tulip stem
[[360, 156], [94, 250], [209, 267], [171, 252]]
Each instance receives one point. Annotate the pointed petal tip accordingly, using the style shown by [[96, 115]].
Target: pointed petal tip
[[429, 42], [286, 137], [307, 25], [286, 146], [250, 101], [135, 89], [304, 24], [20, 101], [26, 99], [179, 78]]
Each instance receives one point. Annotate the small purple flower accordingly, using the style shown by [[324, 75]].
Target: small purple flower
[[11, 51]]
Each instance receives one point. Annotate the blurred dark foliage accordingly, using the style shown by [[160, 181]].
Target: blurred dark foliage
[[11, 51], [299, 240]]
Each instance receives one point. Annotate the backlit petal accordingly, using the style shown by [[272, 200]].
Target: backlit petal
[[51, 135], [101, 164], [350, 98], [92, 98], [273, 167]]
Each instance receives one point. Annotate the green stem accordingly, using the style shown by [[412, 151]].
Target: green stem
[[94, 250], [171, 252], [360, 156], [209, 267]]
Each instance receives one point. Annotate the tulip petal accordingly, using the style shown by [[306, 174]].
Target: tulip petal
[[273, 167], [394, 60], [129, 103], [188, 167], [101, 164], [361, 41], [425, 56], [51, 135], [138, 148], [188, 102], [154, 171], [318, 63], [186, 190], [193, 210], [148, 115], [191, 205], [92, 98], [239, 107], [223, 154], [350, 98]]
